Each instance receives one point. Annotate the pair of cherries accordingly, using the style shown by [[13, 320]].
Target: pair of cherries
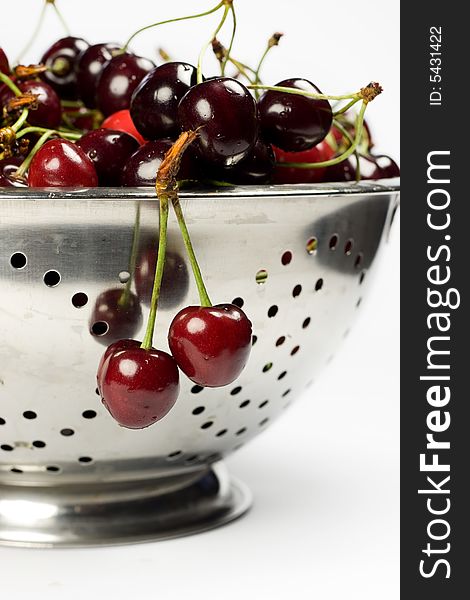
[[211, 345]]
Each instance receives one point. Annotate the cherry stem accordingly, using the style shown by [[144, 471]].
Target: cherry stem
[[346, 107], [273, 41], [206, 46], [124, 299], [345, 133], [35, 33], [203, 14], [68, 135], [59, 16], [157, 283], [20, 172], [341, 157], [10, 84], [234, 31], [72, 104], [21, 120], [278, 88]]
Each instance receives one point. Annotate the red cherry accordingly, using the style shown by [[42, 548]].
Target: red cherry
[[4, 66], [211, 344], [60, 163], [318, 153], [139, 387], [122, 121]]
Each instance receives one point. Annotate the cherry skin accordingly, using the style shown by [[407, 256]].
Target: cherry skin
[[386, 167], [59, 163], [109, 151], [255, 169], [142, 167], [319, 153], [118, 80], [89, 67], [226, 114], [61, 59], [49, 111], [211, 344], [175, 276], [154, 104], [292, 122], [110, 351], [4, 65], [371, 168], [139, 387], [114, 318], [122, 121], [8, 167]]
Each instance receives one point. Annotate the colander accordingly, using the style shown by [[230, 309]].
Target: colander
[[299, 259]]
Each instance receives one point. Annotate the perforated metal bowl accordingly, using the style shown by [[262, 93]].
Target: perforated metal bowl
[[299, 260]]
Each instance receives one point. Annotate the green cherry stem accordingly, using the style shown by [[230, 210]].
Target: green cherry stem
[[124, 299], [21, 121], [345, 107], [37, 29], [157, 283], [214, 35], [345, 133], [21, 171], [234, 31], [68, 135], [273, 41], [59, 16], [341, 157], [277, 88], [10, 84], [196, 16]]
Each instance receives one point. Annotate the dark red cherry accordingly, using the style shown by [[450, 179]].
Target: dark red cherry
[[116, 315], [122, 121], [226, 114], [175, 276], [343, 171], [60, 163], [118, 80], [109, 150], [142, 167], [139, 387], [292, 122], [114, 348], [211, 345], [154, 104], [4, 66], [8, 167], [61, 59], [319, 153], [255, 169], [89, 66], [81, 118], [386, 167], [49, 112]]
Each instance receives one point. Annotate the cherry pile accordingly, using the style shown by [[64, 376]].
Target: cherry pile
[[100, 115]]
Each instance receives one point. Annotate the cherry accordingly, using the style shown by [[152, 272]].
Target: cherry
[[81, 117], [292, 122], [60, 163], [8, 166], [108, 150], [211, 344], [386, 167], [118, 80], [343, 171], [224, 113], [122, 121], [154, 104], [138, 387], [61, 59], [141, 168], [319, 153], [89, 67], [49, 112], [175, 276], [4, 65], [255, 169], [117, 314]]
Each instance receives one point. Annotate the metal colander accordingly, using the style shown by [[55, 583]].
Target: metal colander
[[297, 258]]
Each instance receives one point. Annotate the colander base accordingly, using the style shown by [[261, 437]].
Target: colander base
[[120, 513]]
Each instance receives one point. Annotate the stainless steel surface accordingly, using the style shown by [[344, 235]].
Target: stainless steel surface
[[314, 248]]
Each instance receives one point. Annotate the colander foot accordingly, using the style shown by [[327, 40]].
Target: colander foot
[[120, 512]]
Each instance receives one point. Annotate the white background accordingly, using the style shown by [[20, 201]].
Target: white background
[[325, 523]]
